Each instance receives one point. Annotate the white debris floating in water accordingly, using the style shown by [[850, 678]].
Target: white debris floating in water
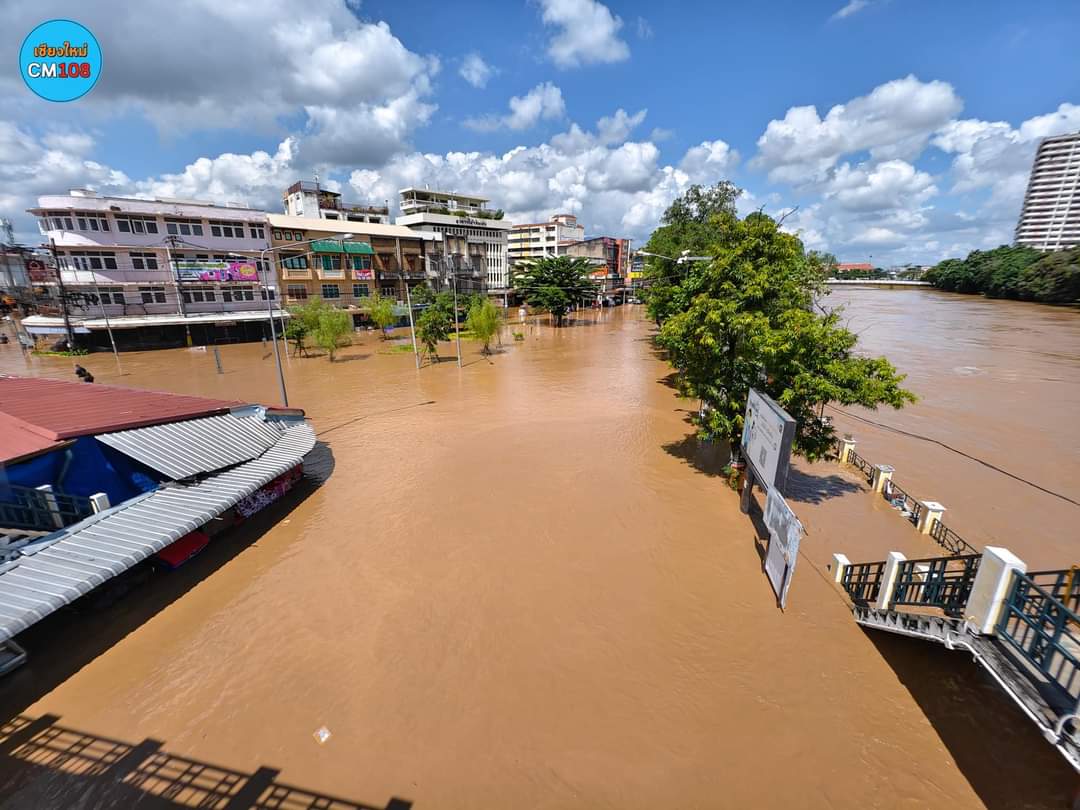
[[321, 735]]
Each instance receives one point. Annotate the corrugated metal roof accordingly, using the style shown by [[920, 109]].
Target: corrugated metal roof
[[59, 409], [55, 572], [183, 449]]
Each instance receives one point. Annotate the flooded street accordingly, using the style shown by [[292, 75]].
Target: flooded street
[[521, 585]]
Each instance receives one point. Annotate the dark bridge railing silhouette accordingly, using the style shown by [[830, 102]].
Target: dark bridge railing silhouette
[[44, 764]]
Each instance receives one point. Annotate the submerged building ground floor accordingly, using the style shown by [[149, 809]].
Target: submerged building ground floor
[[521, 583]]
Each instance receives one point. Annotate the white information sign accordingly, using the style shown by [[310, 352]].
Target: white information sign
[[766, 441], [785, 531]]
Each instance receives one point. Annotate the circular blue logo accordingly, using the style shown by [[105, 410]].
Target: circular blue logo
[[60, 60]]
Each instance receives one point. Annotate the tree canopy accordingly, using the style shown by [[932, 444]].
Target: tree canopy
[[332, 331], [1012, 271], [381, 312], [554, 283], [483, 321], [433, 326], [747, 318]]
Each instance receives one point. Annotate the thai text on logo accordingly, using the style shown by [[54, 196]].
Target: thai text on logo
[[60, 60]]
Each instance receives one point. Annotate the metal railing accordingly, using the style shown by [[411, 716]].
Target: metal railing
[[950, 540], [855, 460], [900, 498], [40, 510], [941, 582], [862, 581], [1043, 629]]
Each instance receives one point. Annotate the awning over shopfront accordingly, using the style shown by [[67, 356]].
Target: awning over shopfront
[[327, 246], [58, 569], [359, 247]]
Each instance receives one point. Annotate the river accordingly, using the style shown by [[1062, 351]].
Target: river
[[521, 585]]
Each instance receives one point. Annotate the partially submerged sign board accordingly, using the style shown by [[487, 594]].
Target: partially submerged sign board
[[768, 431], [785, 531]]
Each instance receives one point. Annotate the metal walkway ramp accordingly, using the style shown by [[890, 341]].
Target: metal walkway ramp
[[1021, 628]]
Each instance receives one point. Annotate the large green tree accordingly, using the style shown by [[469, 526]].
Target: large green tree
[[750, 322], [691, 225], [483, 321], [1053, 279], [554, 283], [332, 330], [381, 312]]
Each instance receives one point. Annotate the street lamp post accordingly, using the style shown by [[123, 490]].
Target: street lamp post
[[270, 307], [457, 326]]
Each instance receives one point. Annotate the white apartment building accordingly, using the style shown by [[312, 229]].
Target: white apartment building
[[474, 238], [1050, 219], [539, 239], [305, 198], [173, 271]]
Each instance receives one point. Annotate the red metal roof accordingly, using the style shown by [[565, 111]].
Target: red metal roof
[[37, 413]]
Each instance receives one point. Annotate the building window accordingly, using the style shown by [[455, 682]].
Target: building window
[[331, 291], [388, 292], [199, 294], [92, 260], [361, 262], [59, 221], [299, 237], [228, 230], [360, 291], [112, 295], [263, 293], [237, 293], [136, 225], [294, 262], [144, 261], [92, 222], [152, 295], [277, 235], [184, 227], [256, 231], [297, 291], [331, 262]]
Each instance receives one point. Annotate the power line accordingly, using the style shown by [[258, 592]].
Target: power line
[[994, 467]]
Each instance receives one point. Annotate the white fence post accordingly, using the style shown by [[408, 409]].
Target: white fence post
[[991, 588], [888, 579], [882, 473], [931, 512]]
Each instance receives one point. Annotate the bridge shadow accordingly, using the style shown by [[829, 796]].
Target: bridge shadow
[[46, 765], [998, 750], [803, 487], [69, 639]]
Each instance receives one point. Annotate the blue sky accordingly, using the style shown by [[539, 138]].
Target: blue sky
[[901, 129]]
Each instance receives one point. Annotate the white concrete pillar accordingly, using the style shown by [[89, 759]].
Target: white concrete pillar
[[888, 579], [51, 505], [882, 473], [839, 563], [991, 587], [931, 511], [847, 447], [99, 502]]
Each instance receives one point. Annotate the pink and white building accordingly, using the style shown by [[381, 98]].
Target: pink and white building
[[175, 270]]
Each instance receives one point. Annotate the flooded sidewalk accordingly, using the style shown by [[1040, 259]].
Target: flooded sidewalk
[[518, 584]]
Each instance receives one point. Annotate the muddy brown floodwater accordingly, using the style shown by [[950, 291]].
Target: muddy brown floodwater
[[521, 585]]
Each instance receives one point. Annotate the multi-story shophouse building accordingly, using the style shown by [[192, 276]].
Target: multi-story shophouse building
[[611, 258], [538, 240], [154, 272], [344, 263], [305, 198], [474, 238]]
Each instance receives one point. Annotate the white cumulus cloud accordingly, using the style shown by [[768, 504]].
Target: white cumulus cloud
[[586, 32], [476, 71], [543, 102]]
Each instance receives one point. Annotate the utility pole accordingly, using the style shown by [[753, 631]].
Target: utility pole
[[408, 299], [457, 324], [170, 242], [63, 296]]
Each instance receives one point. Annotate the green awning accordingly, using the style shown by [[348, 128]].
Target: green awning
[[359, 247], [327, 246]]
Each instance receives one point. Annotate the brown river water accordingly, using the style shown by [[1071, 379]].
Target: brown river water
[[521, 584]]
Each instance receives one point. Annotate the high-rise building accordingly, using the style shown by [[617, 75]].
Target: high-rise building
[[305, 198], [610, 257], [1051, 216], [537, 240], [473, 237]]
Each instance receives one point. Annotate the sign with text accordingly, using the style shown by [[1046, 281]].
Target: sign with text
[[215, 271], [363, 274], [785, 532], [768, 431]]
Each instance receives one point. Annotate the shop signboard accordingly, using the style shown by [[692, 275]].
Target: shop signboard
[[216, 271]]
